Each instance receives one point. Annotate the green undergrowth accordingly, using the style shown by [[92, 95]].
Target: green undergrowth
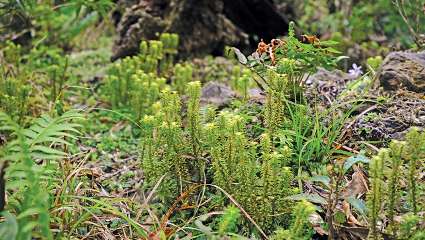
[[131, 149]]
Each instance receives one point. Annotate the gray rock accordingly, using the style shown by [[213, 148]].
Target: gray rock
[[200, 24], [204, 26], [403, 70], [326, 85], [257, 95], [391, 120], [217, 94]]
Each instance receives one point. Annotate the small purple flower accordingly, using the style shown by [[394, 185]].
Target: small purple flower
[[356, 71]]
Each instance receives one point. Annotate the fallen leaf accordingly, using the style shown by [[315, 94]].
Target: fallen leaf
[[317, 222], [357, 186], [349, 215]]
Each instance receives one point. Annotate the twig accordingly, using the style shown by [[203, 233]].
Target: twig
[[242, 210], [370, 145], [356, 119]]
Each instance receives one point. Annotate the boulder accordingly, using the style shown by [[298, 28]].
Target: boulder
[[217, 94], [403, 70], [256, 95], [391, 120], [204, 26]]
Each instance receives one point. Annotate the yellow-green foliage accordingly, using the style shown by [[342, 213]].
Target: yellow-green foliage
[[169, 149], [236, 75], [13, 95], [163, 147], [414, 156], [146, 91], [137, 81], [158, 55], [15, 80], [11, 53], [401, 162], [50, 69], [42, 68], [182, 75], [138, 90], [257, 178], [194, 118], [240, 81], [13, 90], [260, 182], [300, 228], [411, 228], [228, 221], [394, 173], [374, 62], [170, 46], [375, 196], [227, 142], [275, 101]]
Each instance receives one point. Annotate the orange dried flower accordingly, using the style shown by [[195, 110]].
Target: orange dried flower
[[269, 48], [272, 56], [276, 43], [312, 39], [262, 47]]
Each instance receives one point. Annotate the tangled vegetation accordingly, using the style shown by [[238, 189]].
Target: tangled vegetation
[[137, 149]]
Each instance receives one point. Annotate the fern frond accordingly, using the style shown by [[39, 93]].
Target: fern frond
[[46, 129], [26, 178], [44, 134]]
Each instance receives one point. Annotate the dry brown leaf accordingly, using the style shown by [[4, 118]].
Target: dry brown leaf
[[118, 126], [349, 215], [316, 220], [357, 186], [355, 232]]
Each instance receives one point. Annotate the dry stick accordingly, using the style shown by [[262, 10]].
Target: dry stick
[[187, 193], [357, 118], [62, 5], [332, 203], [68, 178], [370, 146], [154, 189], [147, 200], [346, 148], [3, 167], [173, 207], [242, 210], [199, 204], [110, 175], [399, 4], [329, 215]]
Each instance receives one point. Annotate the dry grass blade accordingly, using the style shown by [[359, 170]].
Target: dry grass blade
[[147, 200], [242, 210]]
